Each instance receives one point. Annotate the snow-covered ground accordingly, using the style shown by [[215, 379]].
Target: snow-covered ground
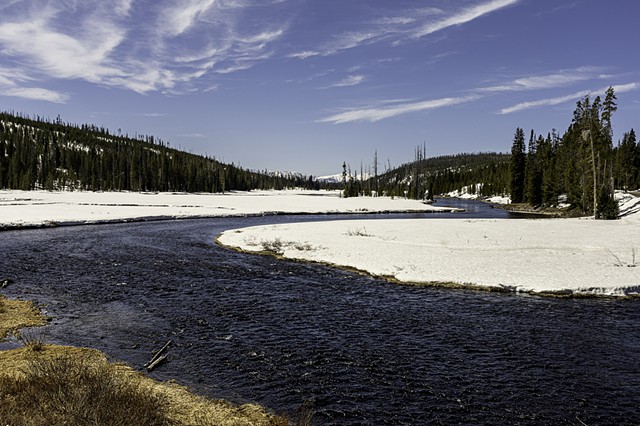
[[538, 256], [563, 256], [36, 208]]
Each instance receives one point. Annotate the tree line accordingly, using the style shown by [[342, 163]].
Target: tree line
[[582, 164], [425, 177], [37, 153]]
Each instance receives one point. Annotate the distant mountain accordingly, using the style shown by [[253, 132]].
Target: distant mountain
[[330, 178], [337, 178]]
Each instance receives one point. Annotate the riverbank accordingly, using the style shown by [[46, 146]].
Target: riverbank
[[28, 209], [51, 384], [562, 257]]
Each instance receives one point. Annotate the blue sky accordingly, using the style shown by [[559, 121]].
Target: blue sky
[[304, 85]]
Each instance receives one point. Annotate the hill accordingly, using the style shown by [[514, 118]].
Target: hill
[[439, 175], [36, 153]]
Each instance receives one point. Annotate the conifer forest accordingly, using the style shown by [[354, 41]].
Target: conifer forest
[[36, 153], [582, 164], [581, 167]]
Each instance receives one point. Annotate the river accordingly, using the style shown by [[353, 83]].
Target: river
[[358, 350]]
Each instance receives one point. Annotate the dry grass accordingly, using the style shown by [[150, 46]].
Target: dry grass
[[44, 384], [76, 386], [16, 314], [79, 389]]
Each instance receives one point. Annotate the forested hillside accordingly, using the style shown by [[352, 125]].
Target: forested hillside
[[581, 167], [583, 164], [425, 177], [42, 154]]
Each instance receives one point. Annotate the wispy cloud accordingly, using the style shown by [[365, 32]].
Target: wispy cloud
[[165, 48], [413, 24], [622, 88], [154, 114], [35, 93], [16, 84], [548, 81], [562, 7], [462, 17], [377, 113], [392, 108], [178, 19], [352, 80], [123, 7], [345, 41]]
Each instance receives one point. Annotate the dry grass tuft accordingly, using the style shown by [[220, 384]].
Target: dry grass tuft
[[16, 314], [33, 339], [76, 386]]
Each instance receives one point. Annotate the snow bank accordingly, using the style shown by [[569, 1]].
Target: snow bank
[[539, 256], [498, 199], [37, 208], [629, 203], [472, 192], [561, 256]]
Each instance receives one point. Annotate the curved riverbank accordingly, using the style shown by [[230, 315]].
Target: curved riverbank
[[28, 373], [633, 293], [554, 257], [358, 350], [36, 209]]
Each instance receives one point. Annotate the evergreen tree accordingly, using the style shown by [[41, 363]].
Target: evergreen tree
[[549, 181], [533, 172], [627, 162], [517, 167]]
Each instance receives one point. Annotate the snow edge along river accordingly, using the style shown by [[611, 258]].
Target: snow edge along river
[[30, 209], [553, 257], [569, 257]]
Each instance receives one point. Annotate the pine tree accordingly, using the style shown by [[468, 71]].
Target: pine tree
[[627, 161], [517, 167]]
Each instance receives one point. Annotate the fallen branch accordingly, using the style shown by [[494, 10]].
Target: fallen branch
[[158, 358]]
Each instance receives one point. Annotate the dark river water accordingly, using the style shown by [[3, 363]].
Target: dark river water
[[358, 350]]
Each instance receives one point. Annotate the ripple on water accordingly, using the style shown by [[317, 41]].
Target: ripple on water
[[361, 351]]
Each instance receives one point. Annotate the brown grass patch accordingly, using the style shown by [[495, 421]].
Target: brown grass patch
[[16, 314], [67, 385], [44, 384]]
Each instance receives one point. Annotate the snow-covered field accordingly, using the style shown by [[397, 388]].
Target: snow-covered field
[[562, 256], [538, 256], [36, 208]]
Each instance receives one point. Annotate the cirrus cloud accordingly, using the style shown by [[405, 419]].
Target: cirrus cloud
[[377, 113], [620, 88], [414, 24], [167, 47]]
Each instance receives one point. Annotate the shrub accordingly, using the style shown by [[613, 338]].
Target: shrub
[[31, 339], [358, 232], [276, 246]]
